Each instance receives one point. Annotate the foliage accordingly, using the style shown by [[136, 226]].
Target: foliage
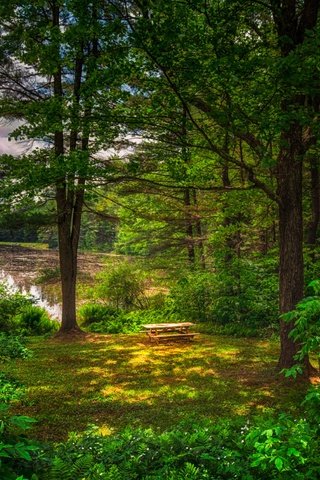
[[121, 323], [10, 389], [95, 312], [285, 448], [267, 447], [12, 347], [17, 454], [123, 288], [103, 318], [306, 319], [11, 303], [33, 320], [106, 319], [16, 451], [19, 316], [244, 296]]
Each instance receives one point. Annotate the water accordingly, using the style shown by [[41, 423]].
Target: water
[[36, 292]]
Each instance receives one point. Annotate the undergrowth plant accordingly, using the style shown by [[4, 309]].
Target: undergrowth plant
[[306, 331], [11, 303], [12, 347], [269, 447], [19, 315]]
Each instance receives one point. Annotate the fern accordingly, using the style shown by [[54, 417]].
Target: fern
[[60, 470], [81, 467], [113, 474], [189, 471]]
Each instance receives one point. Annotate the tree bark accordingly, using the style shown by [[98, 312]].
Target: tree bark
[[199, 231], [315, 202], [189, 228], [291, 28], [291, 280], [68, 268]]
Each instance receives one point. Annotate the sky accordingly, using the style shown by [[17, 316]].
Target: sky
[[15, 148], [10, 147]]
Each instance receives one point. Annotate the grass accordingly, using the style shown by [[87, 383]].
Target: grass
[[33, 245], [116, 380]]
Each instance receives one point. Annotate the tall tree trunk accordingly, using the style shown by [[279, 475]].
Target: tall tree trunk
[[291, 27], [189, 228], [68, 267], [199, 231], [290, 237], [315, 202]]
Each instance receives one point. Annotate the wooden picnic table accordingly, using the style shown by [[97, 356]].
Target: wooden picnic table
[[159, 331]]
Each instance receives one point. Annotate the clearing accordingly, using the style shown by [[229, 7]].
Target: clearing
[[118, 380]]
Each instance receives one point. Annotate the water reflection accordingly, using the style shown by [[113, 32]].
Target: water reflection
[[35, 291]]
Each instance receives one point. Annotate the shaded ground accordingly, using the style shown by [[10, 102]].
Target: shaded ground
[[116, 380]]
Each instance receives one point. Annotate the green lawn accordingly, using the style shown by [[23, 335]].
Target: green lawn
[[116, 380]]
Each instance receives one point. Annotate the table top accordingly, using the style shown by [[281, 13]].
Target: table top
[[167, 325]]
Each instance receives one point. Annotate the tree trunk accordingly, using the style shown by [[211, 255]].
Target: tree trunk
[[189, 228], [68, 201], [199, 231], [315, 202], [291, 28], [291, 280], [68, 268]]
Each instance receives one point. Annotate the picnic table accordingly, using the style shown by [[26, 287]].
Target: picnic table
[[169, 331]]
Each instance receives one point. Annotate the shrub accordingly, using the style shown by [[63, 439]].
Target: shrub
[[124, 323], [95, 313], [306, 319], [12, 347], [129, 322], [123, 288], [33, 320], [244, 294], [18, 455], [10, 389], [16, 452], [11, 303]]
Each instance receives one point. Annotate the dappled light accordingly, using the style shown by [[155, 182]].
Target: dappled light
[[117, 380]]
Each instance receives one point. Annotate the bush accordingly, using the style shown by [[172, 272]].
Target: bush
[[96, 313], [306, 320], [123, 322], [123, 288], [12, 347], [11, 303], [17, 453], [10, 389], [33, 320], [244, 294]]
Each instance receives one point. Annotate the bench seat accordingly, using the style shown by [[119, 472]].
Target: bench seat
[[172, 336]]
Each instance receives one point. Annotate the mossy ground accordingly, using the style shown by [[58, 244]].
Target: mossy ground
[[118, 380]]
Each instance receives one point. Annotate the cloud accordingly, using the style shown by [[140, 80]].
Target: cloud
[[11, 147]]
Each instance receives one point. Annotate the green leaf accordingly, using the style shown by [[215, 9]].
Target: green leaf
[[293, 452], [279, 463]]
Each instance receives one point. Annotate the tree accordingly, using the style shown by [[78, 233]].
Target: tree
[[245, 68], [61, 74]]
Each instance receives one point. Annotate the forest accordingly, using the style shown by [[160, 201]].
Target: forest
[[161, 173]]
